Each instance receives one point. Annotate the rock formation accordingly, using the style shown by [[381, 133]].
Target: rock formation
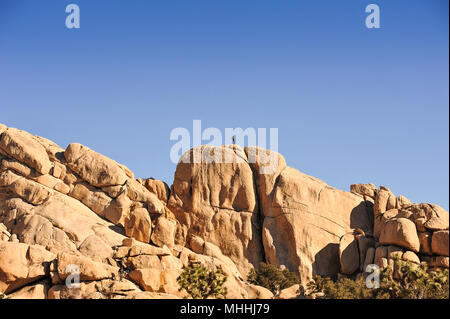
[[230, 208]]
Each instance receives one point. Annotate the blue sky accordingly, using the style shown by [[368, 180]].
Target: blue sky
[[351, 104]]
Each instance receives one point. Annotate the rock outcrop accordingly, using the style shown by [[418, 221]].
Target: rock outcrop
[[74, 213]]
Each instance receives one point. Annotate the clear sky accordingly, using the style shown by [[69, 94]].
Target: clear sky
[[351, 104]]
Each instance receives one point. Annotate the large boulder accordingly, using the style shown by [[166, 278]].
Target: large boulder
[[304, 219], [138, 225], [213, 196], [439, 242], [400, 232], [96, 169], [349, 254], [21, 264], [25, 148]]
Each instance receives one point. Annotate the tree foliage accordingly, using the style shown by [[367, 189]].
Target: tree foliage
[[201, 283], [272, 278], [409, 281]]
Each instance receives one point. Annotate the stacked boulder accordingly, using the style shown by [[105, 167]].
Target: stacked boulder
[[61, 209], [228, 208], [402, 230]]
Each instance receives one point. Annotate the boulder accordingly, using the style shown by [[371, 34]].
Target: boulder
[[159, 188], [292, 292], [35, 291], [400, 232], [149, 279], [369, 190], [139, 225], [25, 148], [94, 168], [439, 242], [258, 292], [425, 243], [411, 257], [88, 269], [164, 232], [21, 264], [305, 220], [349, 254], [213, 196]]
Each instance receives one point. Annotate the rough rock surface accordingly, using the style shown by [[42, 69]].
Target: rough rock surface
[[229, 208]]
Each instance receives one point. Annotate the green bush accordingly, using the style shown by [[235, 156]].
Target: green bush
[[409, 282], [272, 278], [200, 283]]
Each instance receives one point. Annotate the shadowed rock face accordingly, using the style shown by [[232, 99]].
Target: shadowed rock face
[[228, 208]]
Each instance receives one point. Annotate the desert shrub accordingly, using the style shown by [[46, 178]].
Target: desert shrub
[[201, 283], [272, 278], [409, 282]]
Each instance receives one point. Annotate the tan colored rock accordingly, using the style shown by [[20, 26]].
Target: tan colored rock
[[411, 257], [17, 167], [34, 229], [171, 262], [348, 254], [24, 147], [149, 279], [425, 243], [292, 292], [59, 170], [77, 221], [144, 261], [104, 289], [169, 283], [119, 209], [129, 242], [429, 217], [139, 225], [164, 232], [400, 232], [89, 270], [439, 219], [305, 221], [93, 198], [364, 189], [216, 200], [149, 250], [3, 128], [96, 249], [114, 191], [258, 292], [34, 291], [32, 192], [94, 168], [159, 188], [21, 264], [403, 202], [381, 202], [439, 242], [138, 193]]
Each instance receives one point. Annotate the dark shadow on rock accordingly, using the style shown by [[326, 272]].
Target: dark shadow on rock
[[117, 229], [362, 216], [326, 261]]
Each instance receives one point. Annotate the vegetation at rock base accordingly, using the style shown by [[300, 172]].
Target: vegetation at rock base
[[408, 281], [201, 283], [272, 278]]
